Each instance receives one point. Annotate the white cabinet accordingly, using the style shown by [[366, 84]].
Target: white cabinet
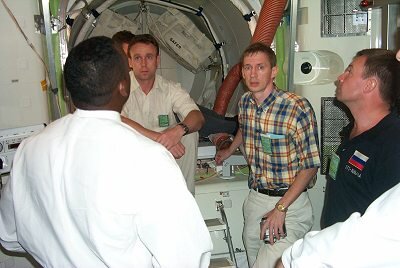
[[232, 193]]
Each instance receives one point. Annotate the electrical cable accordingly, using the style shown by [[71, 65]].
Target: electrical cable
[[47, 77], [24, 35], [206, 170], [242, 170]]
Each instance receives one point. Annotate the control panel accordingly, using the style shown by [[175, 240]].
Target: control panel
[[10, 139]]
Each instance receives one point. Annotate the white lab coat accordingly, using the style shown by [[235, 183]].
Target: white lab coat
[[89, 191], [372, 240]]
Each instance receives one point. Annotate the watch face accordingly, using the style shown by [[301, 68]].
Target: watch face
[[281, 207]]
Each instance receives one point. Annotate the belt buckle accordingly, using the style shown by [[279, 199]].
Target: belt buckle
[[258, 190], [283, 190], [269, 191], [274, 191]]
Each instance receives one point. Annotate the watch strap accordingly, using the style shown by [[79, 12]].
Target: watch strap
[[185, 128]]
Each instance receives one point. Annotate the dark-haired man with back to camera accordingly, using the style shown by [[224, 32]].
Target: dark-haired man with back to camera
[[83, 193]]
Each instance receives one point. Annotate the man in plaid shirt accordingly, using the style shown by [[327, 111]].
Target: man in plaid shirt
[[279, 134]]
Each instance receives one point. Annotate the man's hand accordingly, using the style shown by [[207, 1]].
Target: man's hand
[[166, 138], [279, 264], [221, 155], [273, 221], [178, 150], [171, 136], [153, 135]]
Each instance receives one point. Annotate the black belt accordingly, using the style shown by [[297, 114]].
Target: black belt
[[274, 192]]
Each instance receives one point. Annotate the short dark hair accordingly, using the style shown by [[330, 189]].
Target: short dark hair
[[382, 63], [122, 37], [260, 47], [93, 70], [145, 39]]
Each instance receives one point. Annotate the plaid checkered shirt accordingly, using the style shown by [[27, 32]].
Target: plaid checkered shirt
[[280, 138]]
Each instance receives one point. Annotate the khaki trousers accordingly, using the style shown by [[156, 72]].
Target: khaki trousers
[[299, 220], [187, 162]]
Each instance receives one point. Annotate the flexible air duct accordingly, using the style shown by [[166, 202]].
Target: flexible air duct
[[268, 21]]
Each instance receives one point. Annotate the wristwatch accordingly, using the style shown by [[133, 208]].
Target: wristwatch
[[281, 207], [185, 128]]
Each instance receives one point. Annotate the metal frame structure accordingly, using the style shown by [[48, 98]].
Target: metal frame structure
[[390, 11]]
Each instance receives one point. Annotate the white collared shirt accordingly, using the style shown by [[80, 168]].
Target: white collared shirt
[[164, 99], [89, 191], [372, 240]]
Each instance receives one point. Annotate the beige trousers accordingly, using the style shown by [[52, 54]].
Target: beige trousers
[[299, 220], [187, 162]]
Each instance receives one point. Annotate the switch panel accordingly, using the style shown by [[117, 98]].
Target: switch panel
[[10, 139]]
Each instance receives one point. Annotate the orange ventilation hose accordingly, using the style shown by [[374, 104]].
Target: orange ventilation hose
[[226, 90], [267, 23]]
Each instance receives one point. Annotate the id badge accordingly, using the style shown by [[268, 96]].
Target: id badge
[[266, 141], [334, 165], [163, 120], [266, 144]]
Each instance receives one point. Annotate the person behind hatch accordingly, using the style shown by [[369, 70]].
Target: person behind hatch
[[153, 103], [280, 137], [366, 164], [76, 194], [123, 39]]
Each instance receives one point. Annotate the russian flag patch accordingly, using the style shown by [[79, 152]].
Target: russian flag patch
[[358, 160]]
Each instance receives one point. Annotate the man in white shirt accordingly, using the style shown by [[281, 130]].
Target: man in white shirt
[[153, 103], [372, 240], [90, 191]]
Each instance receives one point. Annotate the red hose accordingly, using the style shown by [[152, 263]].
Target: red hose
[[227, 89], [267, 23]]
